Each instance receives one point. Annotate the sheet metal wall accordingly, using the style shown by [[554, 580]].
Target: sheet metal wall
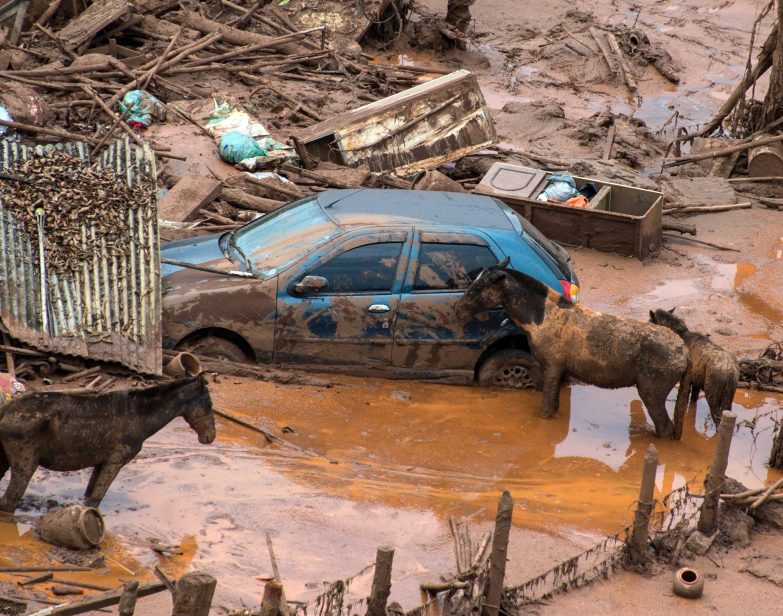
[[110, 308]]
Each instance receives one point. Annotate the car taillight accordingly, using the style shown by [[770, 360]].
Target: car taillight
[[570, 290]]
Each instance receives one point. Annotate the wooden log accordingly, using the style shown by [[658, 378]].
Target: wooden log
[[10, 368], [282, 604], [624, 68], [97, 602], [230, 35], [381, 582], [708, 516], [441, 586], [270, 603], [766, 178], [187, 197], [127, 603], [683, 209], [741, 147], [47, 14], [86, 585], [766, 495], [314, 175], [293, 192], [603, 48], [28, 128], [499, 555], [644, 508], [680, 227], [577, 49], [44, 577], [243, 199], [193, 595], [16, 31], [82, 373], [86, 25], [151, 73], [609, 142]]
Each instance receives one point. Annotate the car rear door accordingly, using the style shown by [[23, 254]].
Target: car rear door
[[350, 322], [428, 334]]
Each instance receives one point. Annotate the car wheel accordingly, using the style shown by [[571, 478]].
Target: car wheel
[[511, 369], [217, 347]]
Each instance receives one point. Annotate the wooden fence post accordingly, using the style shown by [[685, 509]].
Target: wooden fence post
[[644, 508], [499, 555], [128, 599], [381, 582], [193, 596], [708, 518], [273, 595]]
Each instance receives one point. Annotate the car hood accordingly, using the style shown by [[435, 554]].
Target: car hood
[[202, 250]]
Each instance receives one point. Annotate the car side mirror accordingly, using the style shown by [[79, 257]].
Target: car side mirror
[[312, 284]]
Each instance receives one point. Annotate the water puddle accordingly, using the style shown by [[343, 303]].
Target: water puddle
[[671, 290], [732, 276], [370, 462]]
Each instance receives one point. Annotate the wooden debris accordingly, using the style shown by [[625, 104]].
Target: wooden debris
[[188, 196], [603, 47], [626, 70], [99, 14], [96, 602]]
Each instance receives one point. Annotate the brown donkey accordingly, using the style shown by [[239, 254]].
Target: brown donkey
[[714, 369], [595, 348]]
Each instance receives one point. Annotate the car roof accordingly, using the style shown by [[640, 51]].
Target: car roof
[[373, 206]]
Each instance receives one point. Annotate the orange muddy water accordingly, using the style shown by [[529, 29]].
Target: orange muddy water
[[370, 462]]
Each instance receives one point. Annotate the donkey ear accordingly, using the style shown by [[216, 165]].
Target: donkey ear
[[497, 275], [652, 316], [504, 263], [672, 310]]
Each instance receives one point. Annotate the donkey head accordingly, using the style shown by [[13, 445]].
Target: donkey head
[[484, 293], [198, 410], [667, 318]]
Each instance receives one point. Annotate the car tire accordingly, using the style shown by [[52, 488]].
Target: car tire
[[510, 369], [216, 347]]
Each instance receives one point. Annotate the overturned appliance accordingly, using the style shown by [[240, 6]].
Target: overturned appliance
[[420, 128], [79, 252], [617, 218]]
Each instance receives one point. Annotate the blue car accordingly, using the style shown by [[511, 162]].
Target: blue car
[[361, 281]]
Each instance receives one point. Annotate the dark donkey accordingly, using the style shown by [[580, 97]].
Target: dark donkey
[[595, 348], [714, 370], [68, 432]]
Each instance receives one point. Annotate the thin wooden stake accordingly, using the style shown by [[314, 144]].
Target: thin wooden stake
[[497, 560], [381, 582], [708, 518], [644, 507]]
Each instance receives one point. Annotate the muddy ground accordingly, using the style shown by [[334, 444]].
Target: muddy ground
[[370, 462]]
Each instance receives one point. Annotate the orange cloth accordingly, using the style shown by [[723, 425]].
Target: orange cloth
[[578, 201]]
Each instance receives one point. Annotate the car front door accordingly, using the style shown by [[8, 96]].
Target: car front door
[[348, 316], [428, 335]]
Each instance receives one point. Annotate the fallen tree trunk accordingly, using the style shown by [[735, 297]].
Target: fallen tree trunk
[[231, 35], [240, 198]]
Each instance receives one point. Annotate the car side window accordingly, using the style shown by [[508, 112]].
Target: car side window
[[445, 267], [366, 269]]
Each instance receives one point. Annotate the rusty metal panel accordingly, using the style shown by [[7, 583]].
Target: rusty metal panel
[[420, 128], [109, 308]]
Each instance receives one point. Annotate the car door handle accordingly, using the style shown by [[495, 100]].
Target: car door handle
[[379, 308]]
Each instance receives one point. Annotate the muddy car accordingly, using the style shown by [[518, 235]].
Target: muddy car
[[361, 281]]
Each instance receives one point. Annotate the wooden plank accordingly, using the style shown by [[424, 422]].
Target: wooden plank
[[16, 31], [98, 601], [189, 195], [98, 15]]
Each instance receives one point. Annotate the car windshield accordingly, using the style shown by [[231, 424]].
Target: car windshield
[[278, 238]]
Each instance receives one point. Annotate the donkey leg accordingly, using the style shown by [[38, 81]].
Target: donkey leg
[[694, 393], [20, 477], [553, 375], [655, 402], [104, 474], [4, 465]]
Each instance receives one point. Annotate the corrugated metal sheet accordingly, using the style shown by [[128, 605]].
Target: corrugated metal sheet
[[110, 309]]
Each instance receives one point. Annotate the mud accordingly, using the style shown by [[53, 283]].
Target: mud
[[361, 470]]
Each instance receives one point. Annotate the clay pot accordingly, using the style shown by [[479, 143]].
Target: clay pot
[[181, 365], [688, 583], [77, 526]]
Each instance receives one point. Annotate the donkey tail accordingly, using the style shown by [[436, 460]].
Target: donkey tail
[[729, 389], [681, 405]]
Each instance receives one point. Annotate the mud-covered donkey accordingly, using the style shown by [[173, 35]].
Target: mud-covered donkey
[[714, 369], [68, 432], [595, 348]]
